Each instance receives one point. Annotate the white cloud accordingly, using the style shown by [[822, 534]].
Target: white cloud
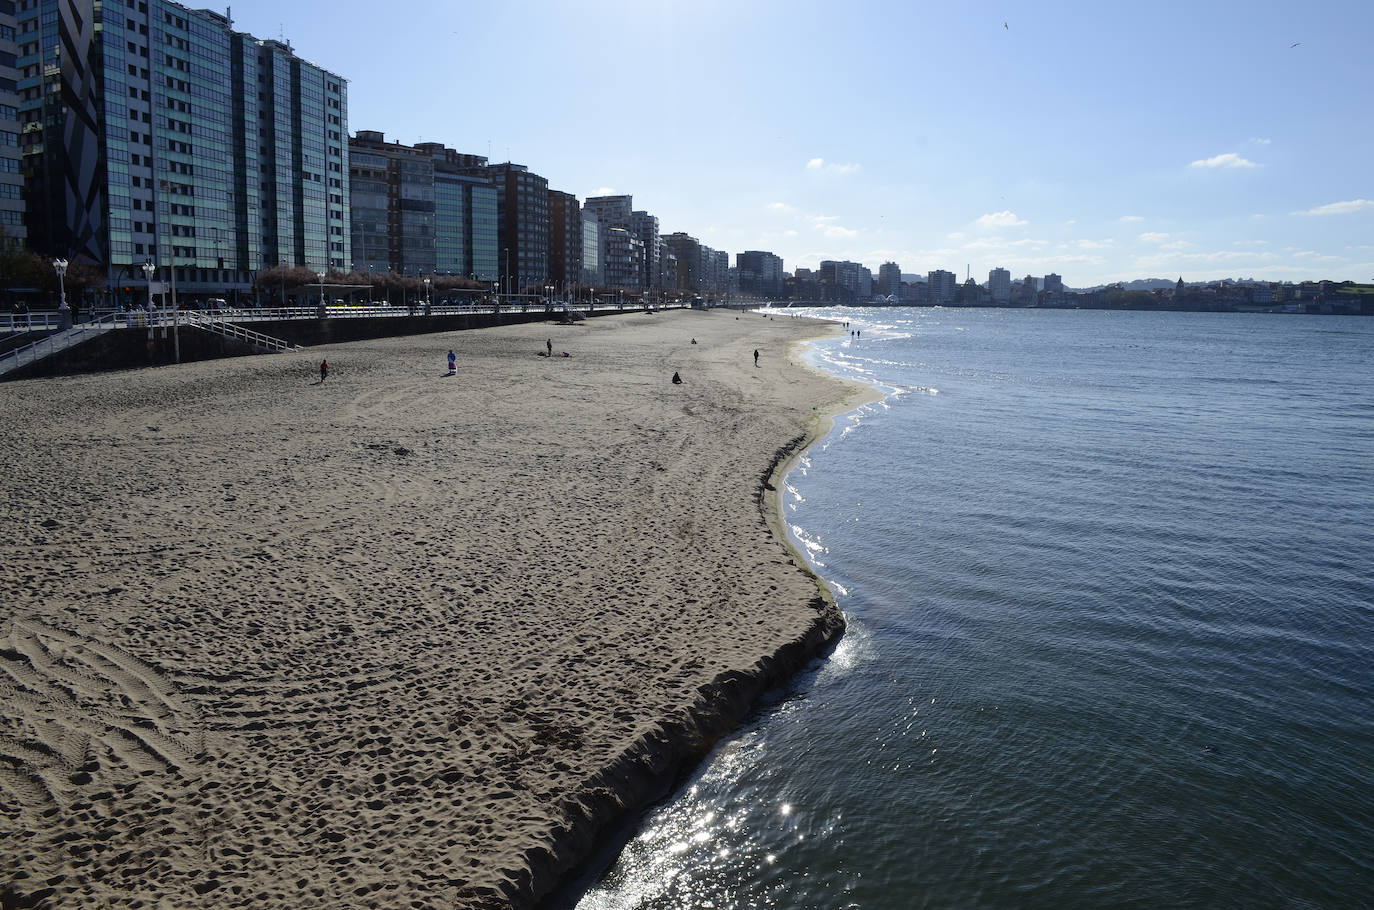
[[779, 207], [1071, 222], [1259, 141], [1001, 220], [1230, 159], [606, 191], [830, 167], [1131, 219], [835, 230], [1153, 237], [1340, 208], [1096, 244]]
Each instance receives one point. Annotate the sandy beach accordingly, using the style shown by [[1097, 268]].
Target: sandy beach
[[395, 639]]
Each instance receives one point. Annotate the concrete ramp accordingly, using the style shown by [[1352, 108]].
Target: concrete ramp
[[58, 342]]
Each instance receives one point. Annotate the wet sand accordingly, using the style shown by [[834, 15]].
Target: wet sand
[[395, 639]]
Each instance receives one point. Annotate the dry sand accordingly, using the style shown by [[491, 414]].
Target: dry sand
[[397, 639]]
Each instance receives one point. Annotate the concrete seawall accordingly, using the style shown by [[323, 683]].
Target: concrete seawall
[[131, 348]]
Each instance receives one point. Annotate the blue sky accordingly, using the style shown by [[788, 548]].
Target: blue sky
[[1101, 140]]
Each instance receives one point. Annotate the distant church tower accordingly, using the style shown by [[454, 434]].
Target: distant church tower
[[1178, 288]]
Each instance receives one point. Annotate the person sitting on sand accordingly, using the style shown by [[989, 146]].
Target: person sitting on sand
[[677, 380], [324, 370]]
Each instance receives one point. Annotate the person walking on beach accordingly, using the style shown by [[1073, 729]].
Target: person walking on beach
[[324, 370], [756, 356], [452, 363], [549, 345]]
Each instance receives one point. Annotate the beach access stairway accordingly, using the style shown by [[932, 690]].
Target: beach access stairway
[[265, 343], [82, 332]]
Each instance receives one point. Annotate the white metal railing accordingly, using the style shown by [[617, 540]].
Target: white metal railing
[[230, 330], [43, 321], [51, 320]]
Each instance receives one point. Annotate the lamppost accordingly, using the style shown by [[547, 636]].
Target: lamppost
[[64, 313], [322, 310], [148, 270], [429, 301]]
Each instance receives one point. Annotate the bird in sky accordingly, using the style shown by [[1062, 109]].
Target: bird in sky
[[1294, 44], [1005, 26]]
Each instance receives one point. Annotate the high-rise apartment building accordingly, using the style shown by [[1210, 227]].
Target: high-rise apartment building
[[522, 203], [890, 280], [999, 287], [302, 145], [687, 250], [624, 255], [157, 132], [845, 282], [618, 212], [760, 273], [940, 288], [644, 227], [416, 212], [11, 158], [392, 194], [612, 211], [1054, 284], [466, 216], [565, 239], [593, 251]]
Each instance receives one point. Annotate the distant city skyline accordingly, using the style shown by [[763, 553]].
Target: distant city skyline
[[1102, 144]]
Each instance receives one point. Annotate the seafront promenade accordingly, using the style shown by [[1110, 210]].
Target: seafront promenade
[[394, 639]]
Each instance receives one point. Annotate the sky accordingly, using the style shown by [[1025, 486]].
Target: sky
[[1103, 141]]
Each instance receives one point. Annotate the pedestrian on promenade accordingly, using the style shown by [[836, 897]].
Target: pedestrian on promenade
[[324, 370], [756, 356]]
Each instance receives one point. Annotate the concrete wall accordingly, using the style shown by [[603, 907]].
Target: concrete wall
[[123, 349]]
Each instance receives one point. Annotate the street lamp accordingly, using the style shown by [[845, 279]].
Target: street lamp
[[148, 270], [429, 301], [321, 293], [63, 311]]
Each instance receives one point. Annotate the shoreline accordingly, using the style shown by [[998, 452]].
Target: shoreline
[[398, 640]]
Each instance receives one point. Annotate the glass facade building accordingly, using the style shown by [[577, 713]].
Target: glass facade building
[[593, 256], [417, 211], [12, 230], [522, 201], [154, 132]]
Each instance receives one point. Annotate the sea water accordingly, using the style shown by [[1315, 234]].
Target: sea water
[[1109, 579]]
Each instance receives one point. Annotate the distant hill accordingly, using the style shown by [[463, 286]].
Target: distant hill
[[1156, 284]]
